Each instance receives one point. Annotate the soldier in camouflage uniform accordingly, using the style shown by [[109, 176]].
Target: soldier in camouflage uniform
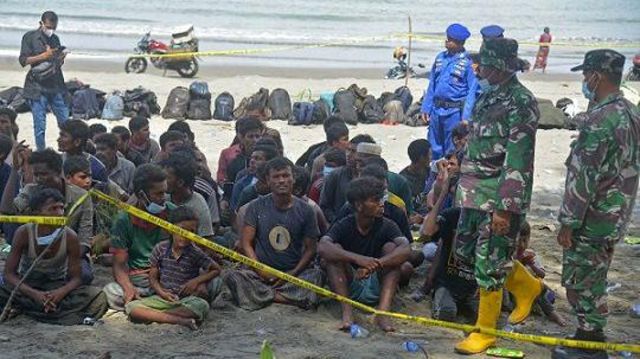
[[494, 190], [600, 190]]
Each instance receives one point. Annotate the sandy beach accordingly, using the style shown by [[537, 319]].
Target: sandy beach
[[233, 333]]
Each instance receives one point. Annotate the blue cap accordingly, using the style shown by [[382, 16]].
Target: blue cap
[[492, 32], [458, 32]]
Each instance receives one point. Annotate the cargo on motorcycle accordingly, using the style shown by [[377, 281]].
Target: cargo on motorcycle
[[183, 40]]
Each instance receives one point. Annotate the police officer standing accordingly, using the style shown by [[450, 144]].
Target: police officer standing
[[600, 190], [494, 189], [44, 86], [450, 80]]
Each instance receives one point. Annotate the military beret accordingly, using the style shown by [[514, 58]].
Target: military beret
[[501, 53], [492, 31], [8, 111], [458, 32], [369, 148], [604, 60]]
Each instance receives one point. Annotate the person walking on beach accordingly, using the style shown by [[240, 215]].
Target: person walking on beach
[[450, 82], [494, 189], [44, 86], [600, 191], [543, 51]]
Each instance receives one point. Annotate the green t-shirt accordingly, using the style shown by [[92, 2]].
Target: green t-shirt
[[136, 240]]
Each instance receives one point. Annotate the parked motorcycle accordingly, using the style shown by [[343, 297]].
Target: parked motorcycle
[[183, 40], [634, 72]]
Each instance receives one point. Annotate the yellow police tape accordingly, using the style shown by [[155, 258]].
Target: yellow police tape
[[50, 221], [357, 40], [635, 348], [177, 54]]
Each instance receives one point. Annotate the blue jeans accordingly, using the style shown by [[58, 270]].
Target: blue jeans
[[439, 136], [39, 112]]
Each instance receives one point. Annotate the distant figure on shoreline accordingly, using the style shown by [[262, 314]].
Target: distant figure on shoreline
[[543, 51]]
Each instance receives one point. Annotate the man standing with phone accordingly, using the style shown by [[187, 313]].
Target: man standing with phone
[[44, 86]]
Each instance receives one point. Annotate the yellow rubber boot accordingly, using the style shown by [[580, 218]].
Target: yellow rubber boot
[[525, 288], [488, 314]]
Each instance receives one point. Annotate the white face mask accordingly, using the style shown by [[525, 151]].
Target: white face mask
[[48, 32], [46, 240]]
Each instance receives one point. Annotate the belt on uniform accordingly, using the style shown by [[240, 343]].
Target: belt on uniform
[[448, 104]]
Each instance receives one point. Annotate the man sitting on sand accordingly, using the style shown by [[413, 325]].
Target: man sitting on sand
[[74, 135], [124, 150], [169, 142], [364, 252], [46, 167], [140, 140], [181, 294], [120, 170], [280, 231], [52, 292], [133, 239]]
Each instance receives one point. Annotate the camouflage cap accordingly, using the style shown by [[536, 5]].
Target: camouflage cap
[[501, 53], [603, 60]]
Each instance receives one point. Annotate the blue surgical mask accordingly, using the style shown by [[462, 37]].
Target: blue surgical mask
[[326, 170], [155, 208], [588, 94], [486, 86], [46, 240], [152, 207]]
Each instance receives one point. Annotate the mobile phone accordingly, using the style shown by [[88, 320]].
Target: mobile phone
[[505, 353]]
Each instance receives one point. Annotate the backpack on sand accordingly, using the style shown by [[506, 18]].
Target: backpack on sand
[[255, 105], [177, 104], [85, 105], [199, 109], [403, 94], [371, 111], [321, 112], [224, 105], [344, 106], [113, 107], [302, 114], [199, 89], [280, 105]]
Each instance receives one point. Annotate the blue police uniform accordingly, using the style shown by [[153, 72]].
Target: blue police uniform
[[449, 94]]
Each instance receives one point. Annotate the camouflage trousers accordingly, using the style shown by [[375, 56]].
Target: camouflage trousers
[[479, 249], [584, 275]]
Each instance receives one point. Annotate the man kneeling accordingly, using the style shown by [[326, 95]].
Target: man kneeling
[[181, 294], [281, 231], [52, 291], [364, 252]]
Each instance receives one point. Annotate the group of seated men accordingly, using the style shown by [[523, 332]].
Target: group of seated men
[[338, 214]]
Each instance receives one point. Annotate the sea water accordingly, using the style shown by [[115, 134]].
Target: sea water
[[111, 28]]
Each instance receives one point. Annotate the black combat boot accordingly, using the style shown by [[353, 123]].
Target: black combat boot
[[563, 352]]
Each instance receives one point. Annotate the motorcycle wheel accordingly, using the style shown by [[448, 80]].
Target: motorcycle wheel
[[136, 65], [189, 70]]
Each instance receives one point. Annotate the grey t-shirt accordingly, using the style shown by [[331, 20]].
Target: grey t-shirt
[[280, 233], [197, 204]]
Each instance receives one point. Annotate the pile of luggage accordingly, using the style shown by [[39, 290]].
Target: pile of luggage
[[353, 104]]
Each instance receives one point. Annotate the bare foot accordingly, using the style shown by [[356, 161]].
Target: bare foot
[[345, 326], [384, 323], [556, 318]]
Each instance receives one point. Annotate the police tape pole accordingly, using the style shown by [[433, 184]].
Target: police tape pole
[[537, 339], [408, 72]]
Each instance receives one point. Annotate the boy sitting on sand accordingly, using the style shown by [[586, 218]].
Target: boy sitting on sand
[[180, 289]]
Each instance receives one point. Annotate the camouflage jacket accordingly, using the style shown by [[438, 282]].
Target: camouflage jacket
[[602, 171], [497, 171]]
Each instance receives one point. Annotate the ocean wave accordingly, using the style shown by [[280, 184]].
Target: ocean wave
[[36, 15]]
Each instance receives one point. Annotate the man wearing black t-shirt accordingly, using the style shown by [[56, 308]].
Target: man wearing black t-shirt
[[453, 284], [364, 252]]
